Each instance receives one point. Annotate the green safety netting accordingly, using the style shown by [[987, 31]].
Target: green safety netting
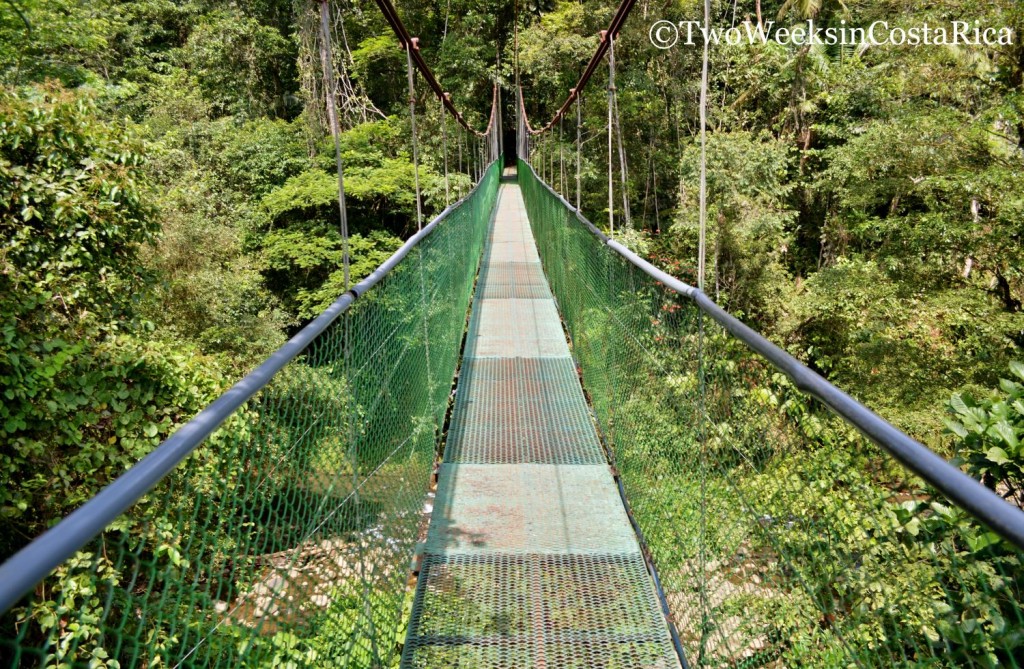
[[783, 537], [285, 540]]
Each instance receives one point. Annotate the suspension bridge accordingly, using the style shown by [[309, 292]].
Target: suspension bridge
[[519, 444]]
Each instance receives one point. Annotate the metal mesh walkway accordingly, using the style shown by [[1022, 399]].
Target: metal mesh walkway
[[530, 559]]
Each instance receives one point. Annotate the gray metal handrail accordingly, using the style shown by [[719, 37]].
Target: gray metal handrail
[[34, 562], [964, 491]]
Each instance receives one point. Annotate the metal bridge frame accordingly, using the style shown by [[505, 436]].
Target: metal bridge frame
[[33, 563]]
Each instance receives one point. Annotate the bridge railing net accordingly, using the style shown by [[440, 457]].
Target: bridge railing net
[[286, 539], [781, 535]]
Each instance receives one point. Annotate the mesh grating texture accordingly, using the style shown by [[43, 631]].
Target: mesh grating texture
[[522, 273], [530, 559], [565, 611], [512, 251], [516, 290], [528, 509], [516, 328], [511, 410], [506, 280]]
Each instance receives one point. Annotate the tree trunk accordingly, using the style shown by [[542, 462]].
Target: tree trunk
[[1010, 303]]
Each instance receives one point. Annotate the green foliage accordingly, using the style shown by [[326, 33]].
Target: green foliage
[[352, 612], [85, 395], [563, 35], [306, 267], [891, 342], [298, 237], [210, 291], [748, 192], [73, 216], [300, 196], [991, 433], [240, 64], [257, 156], [379, 185], [60, 39]]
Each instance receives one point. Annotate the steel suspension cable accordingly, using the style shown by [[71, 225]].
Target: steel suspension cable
[[405, 39], [410, 47], [623, 174], [330, 90], [579, 148], [561, 160], [611, 97], [545, 157], [551, 157], [498, 110], [702, 428], [702, 243], [461, 139], [540, 156], [444, 150], [330, 83], [614, 27], [542, 143]]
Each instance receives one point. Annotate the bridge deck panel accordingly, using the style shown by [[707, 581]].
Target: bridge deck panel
[[530, 559]]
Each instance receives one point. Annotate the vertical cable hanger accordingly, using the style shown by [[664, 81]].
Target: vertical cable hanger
[[520, 130], [462, 170], [702, 243], [541, 142], [541, 145], [443, 98], [605, 35], [579, 146], [705, 625], [444, 150], [499, 134], [561, 160], [545, 157], [496, 121], [330, 90], [409, 46], [539, 162], [623, 174], [551, 157]]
